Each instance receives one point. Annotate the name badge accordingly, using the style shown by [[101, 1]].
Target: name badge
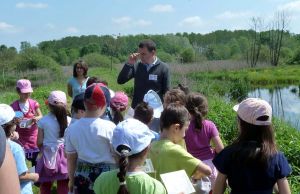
[[153, 77]]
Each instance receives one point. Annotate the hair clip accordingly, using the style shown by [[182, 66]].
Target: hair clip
[[123, 183]]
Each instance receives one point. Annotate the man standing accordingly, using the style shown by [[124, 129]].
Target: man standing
[[148, 72]]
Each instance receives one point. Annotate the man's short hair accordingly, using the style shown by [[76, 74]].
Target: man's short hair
[[149, 44]]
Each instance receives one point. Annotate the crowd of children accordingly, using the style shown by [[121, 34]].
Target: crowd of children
[[101, 149]]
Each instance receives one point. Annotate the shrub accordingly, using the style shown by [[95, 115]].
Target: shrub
[[97, 60]]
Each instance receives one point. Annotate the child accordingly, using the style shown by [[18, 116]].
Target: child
[[27, 127], [179, 97], [252, 163], [201, 132], [78, 108], [107, 93], [118, 104], [131, 141], [88, 144], [52, 166], [174, 96], [144, 113], [166, 155], [7, 122]]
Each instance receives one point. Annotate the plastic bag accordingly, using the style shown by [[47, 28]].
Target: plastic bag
[[202, 186]]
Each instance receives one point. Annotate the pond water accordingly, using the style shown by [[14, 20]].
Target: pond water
[[285, 102]]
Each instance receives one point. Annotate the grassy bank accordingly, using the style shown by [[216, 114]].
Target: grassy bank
[[283, 75]]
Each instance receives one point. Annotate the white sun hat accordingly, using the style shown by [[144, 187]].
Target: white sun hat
[[6, 114], [133, 134]]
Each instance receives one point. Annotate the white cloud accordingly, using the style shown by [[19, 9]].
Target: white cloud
[[143, 23], [123, 21], [128, 22], [162, 8], [235, 15], [72, 30], [194, 21], [22, 5], [5, 26], [293, 6], [50, 26]]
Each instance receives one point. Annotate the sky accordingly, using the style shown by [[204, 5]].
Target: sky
[[40, 20]]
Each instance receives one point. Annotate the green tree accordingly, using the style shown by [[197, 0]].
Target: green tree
[[90, 48], [188, 55], [25, 45]]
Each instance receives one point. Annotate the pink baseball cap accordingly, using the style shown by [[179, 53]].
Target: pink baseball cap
[[251, 109], [119, 101], [24, 85], [56, 97]]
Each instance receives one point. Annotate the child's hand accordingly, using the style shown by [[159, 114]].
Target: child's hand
[[34, 120], [35, 177], [14, 136], [17, 120]]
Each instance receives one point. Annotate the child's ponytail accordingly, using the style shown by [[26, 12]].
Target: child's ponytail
[[123, 164], [198, 107], [60, 113], [198, 118]]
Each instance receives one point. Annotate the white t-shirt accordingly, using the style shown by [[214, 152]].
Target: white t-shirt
[[24, 106], [51, 130], [90, 138]]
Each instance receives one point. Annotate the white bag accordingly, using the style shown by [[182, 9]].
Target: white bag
[[202, 186]]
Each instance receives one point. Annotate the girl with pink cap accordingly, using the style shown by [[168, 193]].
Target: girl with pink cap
[[52, 166], [252, 163], [31, 113], [118, 104]]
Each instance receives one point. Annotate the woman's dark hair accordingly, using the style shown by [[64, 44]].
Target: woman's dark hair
[[197, 106], [60, 113], [255, 144], [143, 112], [81, 64], [149, 44], [175, 95], [173, 114]]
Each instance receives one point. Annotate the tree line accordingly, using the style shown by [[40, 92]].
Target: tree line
[[173, 48]]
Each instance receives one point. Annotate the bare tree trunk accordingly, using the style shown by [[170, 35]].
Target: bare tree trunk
[[276, 31], [255, 45]]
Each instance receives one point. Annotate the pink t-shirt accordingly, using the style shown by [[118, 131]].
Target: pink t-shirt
[[198, 141], [27, 136]]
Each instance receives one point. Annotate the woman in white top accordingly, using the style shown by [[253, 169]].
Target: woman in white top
[[77, 83]]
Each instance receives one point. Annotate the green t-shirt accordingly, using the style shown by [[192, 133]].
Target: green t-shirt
[[137, 183], [168, 157]]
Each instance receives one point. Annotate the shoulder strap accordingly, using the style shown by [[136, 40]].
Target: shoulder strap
[[32, 105], [15, 106]]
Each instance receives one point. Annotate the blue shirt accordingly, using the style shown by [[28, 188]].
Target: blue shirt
[[250, 179], [19, 156], [76, 87]]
